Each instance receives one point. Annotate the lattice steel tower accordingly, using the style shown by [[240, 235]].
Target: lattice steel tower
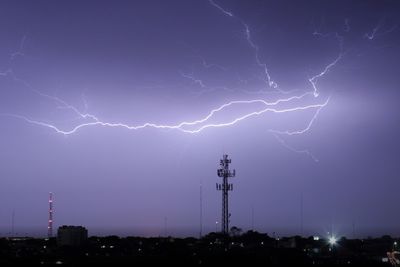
[[225, 187], [50, 223]]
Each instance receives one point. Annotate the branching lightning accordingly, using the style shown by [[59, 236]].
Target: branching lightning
[[196, 125], [208, 121], [313, 80], [268, 80], [378, 31], [230, 14], [303, 151], [193, 79], [207, 65], [301, 131]]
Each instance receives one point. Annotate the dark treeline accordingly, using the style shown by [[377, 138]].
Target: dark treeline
[[248, 249]]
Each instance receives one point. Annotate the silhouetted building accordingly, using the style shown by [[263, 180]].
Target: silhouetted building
[[68, 235]]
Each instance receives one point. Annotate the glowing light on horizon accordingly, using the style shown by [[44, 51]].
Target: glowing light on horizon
[[332, 240]]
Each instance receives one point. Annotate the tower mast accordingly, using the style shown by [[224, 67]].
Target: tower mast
[[225, 187]]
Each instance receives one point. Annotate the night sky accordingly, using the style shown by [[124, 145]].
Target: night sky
[[123, 109]]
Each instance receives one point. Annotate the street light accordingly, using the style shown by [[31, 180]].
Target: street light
[[332, 240]]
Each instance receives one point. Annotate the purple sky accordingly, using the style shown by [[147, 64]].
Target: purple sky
[[79, 80]]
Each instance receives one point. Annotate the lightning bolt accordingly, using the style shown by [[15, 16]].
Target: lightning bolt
[[206, 88], [193, 79], [208, 121], [298, 151], [376, 31], [230, 14], [207, 65], [372, 34], [268, 80], [307, 128], [313, 80], [272, 84], [183, 126]]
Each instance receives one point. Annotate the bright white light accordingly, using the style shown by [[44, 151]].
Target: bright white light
[[332, 240]]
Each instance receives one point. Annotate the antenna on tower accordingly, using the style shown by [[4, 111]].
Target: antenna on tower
[[165, 226], [50, 223], [252, 218], [225, 187], [201, 210], [12, 223], [301, 215]]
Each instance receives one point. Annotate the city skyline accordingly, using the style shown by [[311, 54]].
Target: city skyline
[[123, 110]]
